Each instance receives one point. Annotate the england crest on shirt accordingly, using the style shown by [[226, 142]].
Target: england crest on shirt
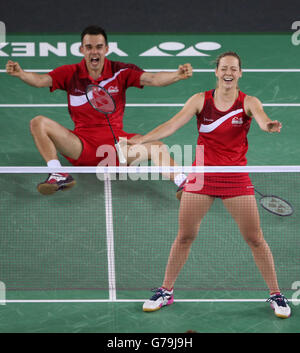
[[113, 89], [237, 121]]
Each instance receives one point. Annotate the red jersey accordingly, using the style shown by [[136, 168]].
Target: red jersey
[[224, 137], [223, 133], [116, 78], [91, 126]]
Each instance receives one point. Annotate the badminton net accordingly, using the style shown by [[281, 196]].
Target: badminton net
[[115, 228]]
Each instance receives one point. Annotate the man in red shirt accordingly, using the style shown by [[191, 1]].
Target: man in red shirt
[[83, 145]]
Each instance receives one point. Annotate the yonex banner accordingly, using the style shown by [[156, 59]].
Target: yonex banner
[[161, 49], [153, 51]]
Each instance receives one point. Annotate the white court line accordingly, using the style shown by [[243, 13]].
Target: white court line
[[138, 301], [33, 105], [244, 70], [133, 105], [153, 169], [194, 70]]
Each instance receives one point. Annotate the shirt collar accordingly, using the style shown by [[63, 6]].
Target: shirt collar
[[106, 72]]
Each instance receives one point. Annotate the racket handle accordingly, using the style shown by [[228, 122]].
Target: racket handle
[[121, 156]]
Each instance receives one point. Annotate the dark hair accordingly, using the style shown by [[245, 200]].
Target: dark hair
[[228, 53], [94, 30]]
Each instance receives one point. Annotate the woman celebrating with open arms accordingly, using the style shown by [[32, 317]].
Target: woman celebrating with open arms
[[223, 116]]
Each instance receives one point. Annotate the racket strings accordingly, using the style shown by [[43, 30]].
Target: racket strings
[[101, 100], [276, 205]]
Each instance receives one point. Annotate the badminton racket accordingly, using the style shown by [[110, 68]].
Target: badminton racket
[[101, 100], [275, 204]]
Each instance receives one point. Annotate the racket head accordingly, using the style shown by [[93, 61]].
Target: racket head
[[276, 205], [100, 99]]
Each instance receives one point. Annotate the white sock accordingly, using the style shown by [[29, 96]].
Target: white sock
[[54, 163], [179, 179]]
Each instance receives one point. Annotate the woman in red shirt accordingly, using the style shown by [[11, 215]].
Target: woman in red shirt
[[223, 116]]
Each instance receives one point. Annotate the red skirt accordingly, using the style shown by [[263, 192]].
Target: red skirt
[[223, 185]]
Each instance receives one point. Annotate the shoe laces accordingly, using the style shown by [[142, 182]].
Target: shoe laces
[[57, 176], [159, 292], [279, 299]]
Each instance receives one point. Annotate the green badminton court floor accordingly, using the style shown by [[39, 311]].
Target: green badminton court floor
[[53, 250]]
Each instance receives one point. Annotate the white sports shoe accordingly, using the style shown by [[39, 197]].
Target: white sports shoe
[[280, 305], [55, 182], [161, 298]]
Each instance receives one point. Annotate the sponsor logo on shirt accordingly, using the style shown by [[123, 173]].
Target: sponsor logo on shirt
[[207, 119], [237, 121]]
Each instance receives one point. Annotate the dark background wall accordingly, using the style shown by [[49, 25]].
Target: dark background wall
[[150, 16]]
